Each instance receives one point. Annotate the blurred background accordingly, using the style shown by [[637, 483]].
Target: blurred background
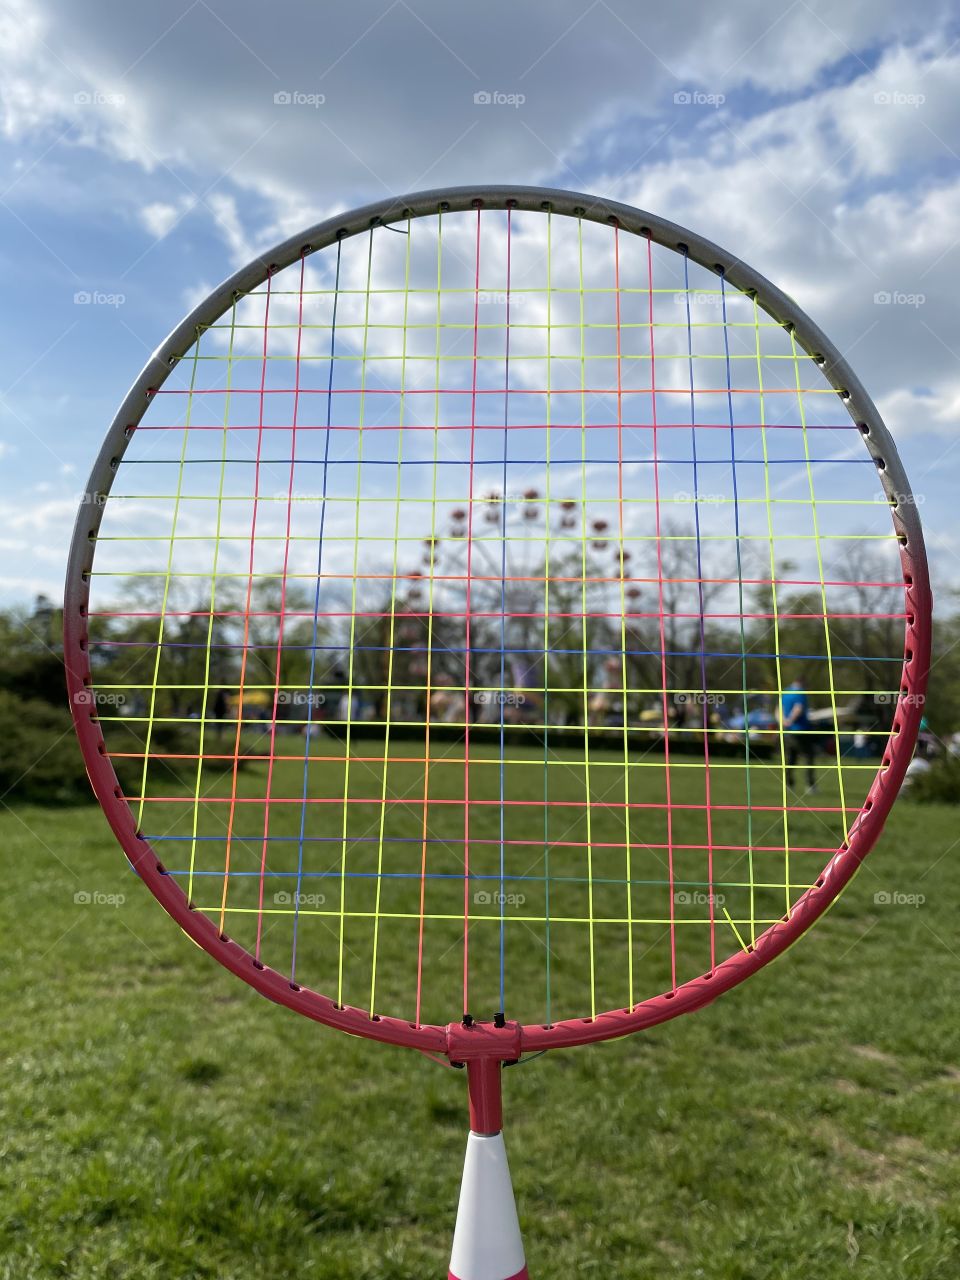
[[159, 1119]]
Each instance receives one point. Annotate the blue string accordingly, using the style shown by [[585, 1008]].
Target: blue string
[[533, 462], [696, 491], [431, 875], [373, 648]]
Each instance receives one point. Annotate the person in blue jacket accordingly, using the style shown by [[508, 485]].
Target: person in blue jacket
[[798, 738]]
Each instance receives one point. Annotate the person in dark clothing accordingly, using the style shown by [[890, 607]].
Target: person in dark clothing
[[798, 739], [221, 708]]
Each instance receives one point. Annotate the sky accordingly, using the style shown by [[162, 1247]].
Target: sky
[[148, 152]]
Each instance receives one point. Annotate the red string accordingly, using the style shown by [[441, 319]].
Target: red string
[[663, 637], [466, 700], [283, 607]]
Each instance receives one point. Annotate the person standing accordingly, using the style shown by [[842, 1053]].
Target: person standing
[[799, 741]]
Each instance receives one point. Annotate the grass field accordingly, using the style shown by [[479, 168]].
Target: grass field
[[162, 1121], [588, 885]]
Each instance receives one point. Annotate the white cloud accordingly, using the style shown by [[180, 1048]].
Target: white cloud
[[399, 79], [227, 219], [909, 411], [160, 218], [834, 190]]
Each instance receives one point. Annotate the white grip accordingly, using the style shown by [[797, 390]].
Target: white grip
[[486, 1243]]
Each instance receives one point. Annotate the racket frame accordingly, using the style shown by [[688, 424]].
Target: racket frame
[[470, 1042]]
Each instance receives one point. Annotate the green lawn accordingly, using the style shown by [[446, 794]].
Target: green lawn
[[568, 900], [164, 1121]]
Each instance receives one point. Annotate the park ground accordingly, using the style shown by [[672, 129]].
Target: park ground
[[163, 1121]]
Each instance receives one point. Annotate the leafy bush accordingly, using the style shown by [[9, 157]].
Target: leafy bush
[[39, 757], [940, 784]]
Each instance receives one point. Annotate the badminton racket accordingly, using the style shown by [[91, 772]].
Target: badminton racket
[[497, 621]]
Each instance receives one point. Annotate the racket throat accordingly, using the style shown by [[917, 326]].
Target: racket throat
[[486, 1241], [486, 1096]]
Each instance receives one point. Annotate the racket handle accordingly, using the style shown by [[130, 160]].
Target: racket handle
[[486, 1242]]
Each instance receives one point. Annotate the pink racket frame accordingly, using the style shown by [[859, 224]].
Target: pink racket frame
[[482, 1046]]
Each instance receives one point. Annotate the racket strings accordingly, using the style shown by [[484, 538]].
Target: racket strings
[[449, 603]]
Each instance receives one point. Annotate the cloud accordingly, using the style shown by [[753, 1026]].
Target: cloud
[[818, 142], [227, 218], [910, 411], [382, 97], [160, 218]]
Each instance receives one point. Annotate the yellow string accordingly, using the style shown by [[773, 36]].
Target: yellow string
[[353, 632], [823, 589], [213, 606]]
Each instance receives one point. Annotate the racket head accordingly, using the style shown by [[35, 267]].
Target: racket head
[[512, 1038]]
